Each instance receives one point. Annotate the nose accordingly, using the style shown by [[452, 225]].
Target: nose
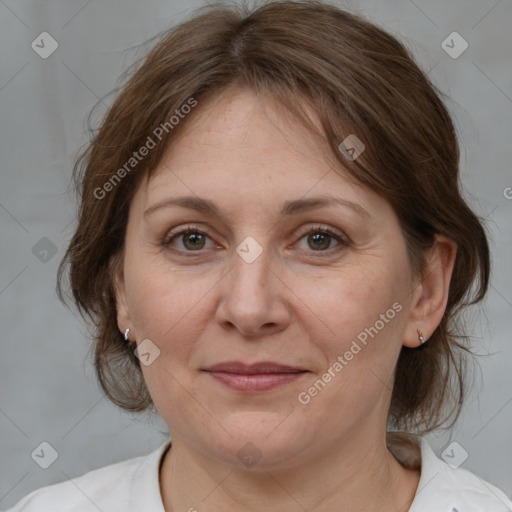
[[253, 299]]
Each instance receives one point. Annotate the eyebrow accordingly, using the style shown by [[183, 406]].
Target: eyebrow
[[289, 208]]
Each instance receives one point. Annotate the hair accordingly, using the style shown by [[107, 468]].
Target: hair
[[357, 79]]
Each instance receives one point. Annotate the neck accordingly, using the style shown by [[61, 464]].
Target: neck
[[356, 476]]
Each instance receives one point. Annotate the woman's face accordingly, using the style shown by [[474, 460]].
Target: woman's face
[[259, 280]]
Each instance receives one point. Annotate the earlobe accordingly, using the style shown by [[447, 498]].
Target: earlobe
[[432, 292], [122, 311]]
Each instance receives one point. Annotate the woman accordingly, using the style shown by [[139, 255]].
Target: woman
[[273, 250]]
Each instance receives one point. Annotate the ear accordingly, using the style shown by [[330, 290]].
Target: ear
[[122, 311], [431, 293]]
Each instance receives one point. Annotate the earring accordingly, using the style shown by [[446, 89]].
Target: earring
[[420, 336], [126, 334]]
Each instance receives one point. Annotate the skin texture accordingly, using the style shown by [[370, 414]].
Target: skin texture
[[291, 305]]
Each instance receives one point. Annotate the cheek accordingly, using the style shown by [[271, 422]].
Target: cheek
[[359, 325], [168, 305], [356, 301]]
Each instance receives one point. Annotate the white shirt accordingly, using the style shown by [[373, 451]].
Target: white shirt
[[133, 486]]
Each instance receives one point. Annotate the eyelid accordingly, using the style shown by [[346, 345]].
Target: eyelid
[[178, 231], [327, 229]]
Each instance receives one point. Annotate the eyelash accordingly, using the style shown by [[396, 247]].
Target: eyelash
[[343, 241]]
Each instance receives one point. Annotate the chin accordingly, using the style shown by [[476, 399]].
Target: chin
[[259, 441]]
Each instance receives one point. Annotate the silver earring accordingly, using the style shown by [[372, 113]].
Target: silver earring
[[126, 334], [420, 336]]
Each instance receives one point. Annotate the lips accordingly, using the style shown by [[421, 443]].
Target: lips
[[262, 376], [252, 369]]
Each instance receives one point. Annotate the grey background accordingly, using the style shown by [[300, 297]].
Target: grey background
[[48, 390]]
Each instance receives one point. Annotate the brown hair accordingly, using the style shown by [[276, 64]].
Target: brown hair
[[358, 79]]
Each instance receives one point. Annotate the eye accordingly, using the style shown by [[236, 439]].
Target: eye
[[192, 239], [319, 239]]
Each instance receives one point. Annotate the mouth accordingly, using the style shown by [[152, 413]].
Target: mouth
[[256, 377]]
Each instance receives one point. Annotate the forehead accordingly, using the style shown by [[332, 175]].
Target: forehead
[[238, 124], [248, 146]]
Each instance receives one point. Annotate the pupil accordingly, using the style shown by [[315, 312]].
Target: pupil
[[194, 238], [318, 237]]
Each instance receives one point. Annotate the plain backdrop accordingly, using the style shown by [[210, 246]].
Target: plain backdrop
[[48, 391]]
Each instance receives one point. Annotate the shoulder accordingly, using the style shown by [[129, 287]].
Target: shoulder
[[110, 489], [446, 488]]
